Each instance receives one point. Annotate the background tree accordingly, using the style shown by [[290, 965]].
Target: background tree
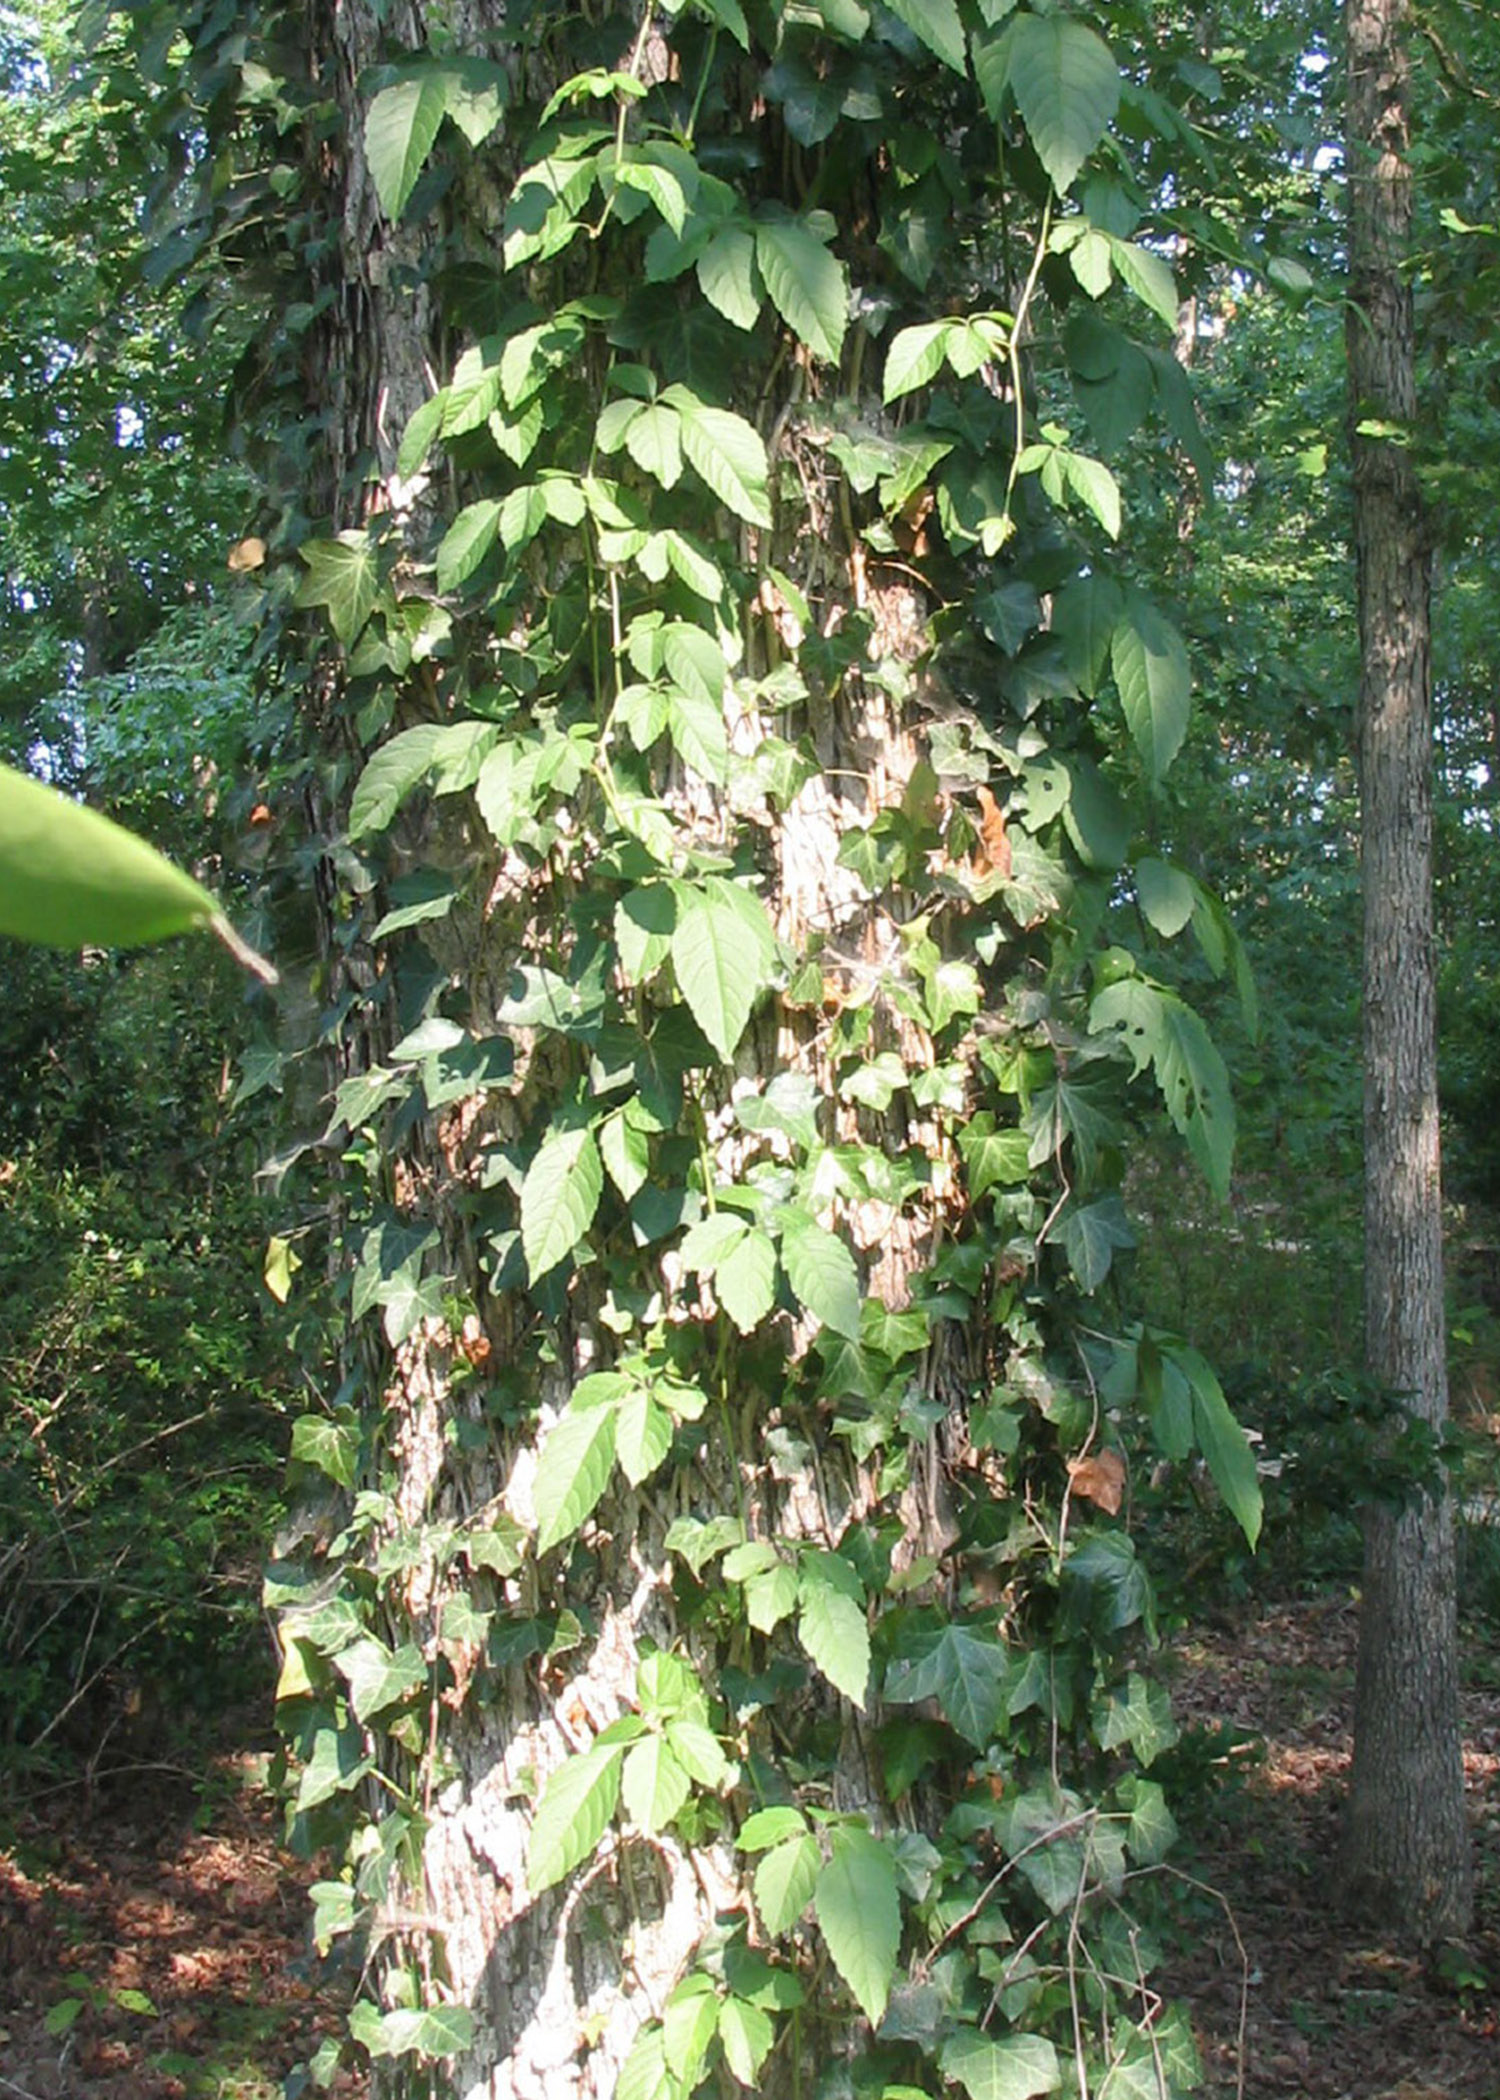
[[1408, 1852]]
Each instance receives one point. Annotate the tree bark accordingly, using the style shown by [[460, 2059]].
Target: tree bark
[[1407, 1857]]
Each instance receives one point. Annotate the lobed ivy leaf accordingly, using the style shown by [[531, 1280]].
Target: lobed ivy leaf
[[343, 576], [965, 1671], [378, 1676], [1017, 2067], [427, 2031]]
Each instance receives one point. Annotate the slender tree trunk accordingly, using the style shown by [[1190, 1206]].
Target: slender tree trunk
[[1407, 1848]]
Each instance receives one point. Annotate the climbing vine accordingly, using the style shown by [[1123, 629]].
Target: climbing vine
[[741, 737]]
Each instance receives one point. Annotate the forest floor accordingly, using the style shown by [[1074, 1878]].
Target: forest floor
[[156, 1949]]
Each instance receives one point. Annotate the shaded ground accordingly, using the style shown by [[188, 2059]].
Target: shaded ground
[[157, 1949], [144, 1958], [1328, 2012]]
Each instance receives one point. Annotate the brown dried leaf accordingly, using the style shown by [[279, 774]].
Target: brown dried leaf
[[993, 856], [1100, 1479], [246, 555]]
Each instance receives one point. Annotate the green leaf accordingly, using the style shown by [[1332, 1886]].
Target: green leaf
[[1224, 1445], [770, 1826], [807, 284], [937, 24], [747, 2034], [784, 1883], [1148, 277], [430, 2030], [1168, 897], [688, 2026], [745, 1280], [379, 1677], [1017, 2067], [558, 1198], [654, 441], [343, 575], [1091, 1234], [1141, 1716], [822, 1272], [1157, 1028], [643, 1435], [725, 452], [654, 1786], [723, 952], [333, 1447], [727, 276], [573, 1472], [1067, 88], [832, 1627], [576, 1804], [466, 543], [400, 126], [1095, 487], [1150, 663], [626, 1152], [698, 1752], [915, 358], [964, 1671], [70, 878], [645, 2075], [1152, 1829], [859, 1911]]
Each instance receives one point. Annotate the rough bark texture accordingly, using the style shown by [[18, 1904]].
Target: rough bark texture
[[1407, 1847]]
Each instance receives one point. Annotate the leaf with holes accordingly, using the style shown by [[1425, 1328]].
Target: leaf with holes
[[1158, 1029], [859, 1911]]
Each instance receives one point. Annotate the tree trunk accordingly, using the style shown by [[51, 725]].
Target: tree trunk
[[1407, 1858]]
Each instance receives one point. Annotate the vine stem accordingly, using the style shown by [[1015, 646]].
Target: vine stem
[[1017, 384]]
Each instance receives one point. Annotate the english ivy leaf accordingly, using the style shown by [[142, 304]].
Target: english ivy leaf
[[558, 1198], [337, 1764], [1225, 1448], [1168, 897], [654, 1784], [466, 543], [964, 1671], [725, 452], [859, 1911], [1141, 1716], [937, 24], [1017, 2067], [343, 575], [1150, 663], [1152, 1829], [1067, 88], [1091, 1234], [833, 1629], [333, 1447], [643, 1435], [573, 1471], [577, 1802], [428, 2031], [723, 952], [784, 1883], [400, 126], [378, 1676], [727, 276], [747, 2034], [821, 1271], [993, 1156], [807, 284]]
